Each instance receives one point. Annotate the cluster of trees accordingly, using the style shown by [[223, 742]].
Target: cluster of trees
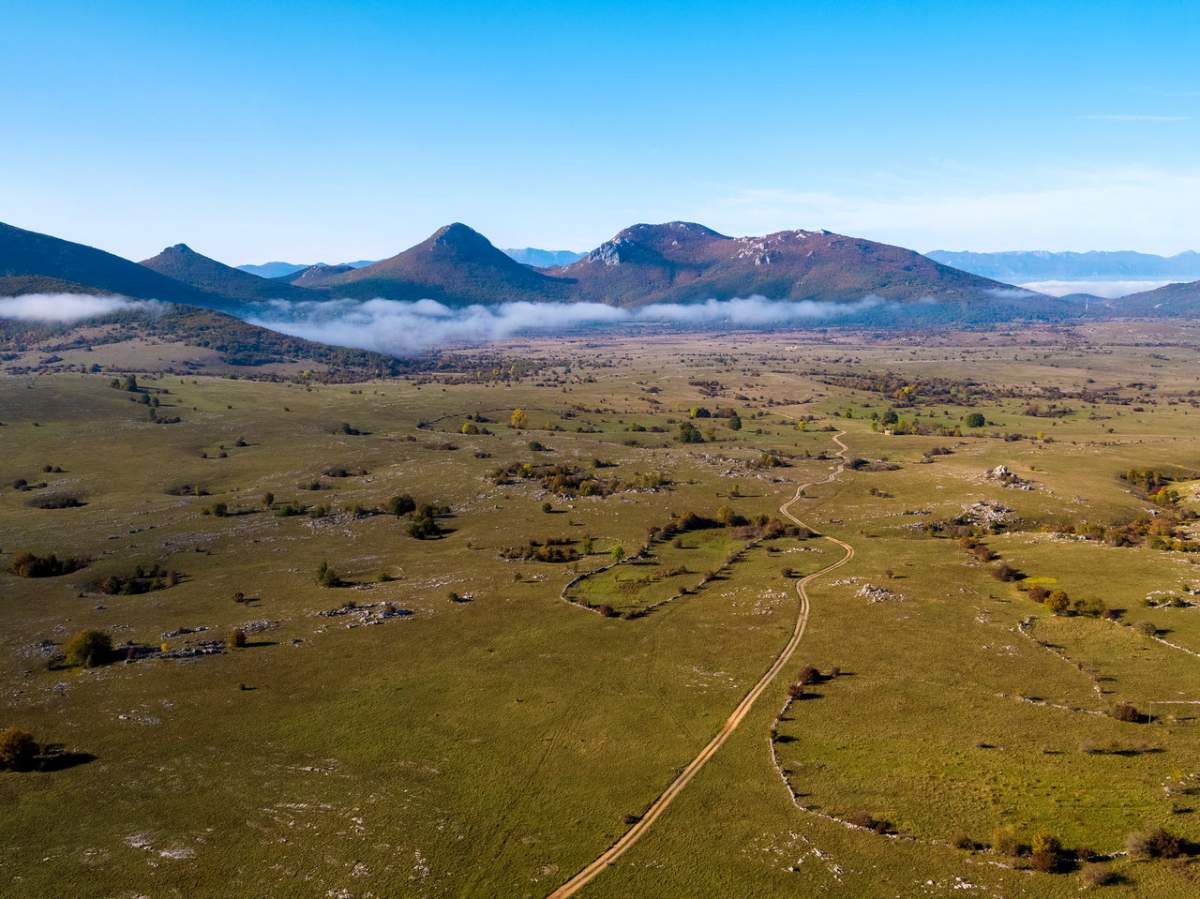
[[570, 481], [555, 549], [1165, 530], [1147, 480], [142, 580], [423, 523], [734, 420], [27, 564], [1058, 602]]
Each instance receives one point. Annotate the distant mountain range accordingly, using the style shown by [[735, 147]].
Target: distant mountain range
[[283, 269], [543, 258], [675, 262], [1040, 265]]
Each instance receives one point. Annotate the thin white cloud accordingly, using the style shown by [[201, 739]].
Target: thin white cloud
[[66, 308], [1108, 289], [391, 326]]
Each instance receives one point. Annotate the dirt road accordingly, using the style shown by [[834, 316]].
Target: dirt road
[[638, 830]]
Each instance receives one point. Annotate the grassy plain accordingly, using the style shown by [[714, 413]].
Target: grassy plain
[[494, 742]]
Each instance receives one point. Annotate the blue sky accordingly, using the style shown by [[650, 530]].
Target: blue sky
[[331, 131]]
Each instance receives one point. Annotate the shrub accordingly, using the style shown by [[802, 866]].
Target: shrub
[[424, 527], [401, 505], [237, 638], [1005, 572], [1058, 602], [975, 420], [1147, 628], [982, 553], [327, 576], [1006, 842], [689, 433], [1154, 842], [1047, 853], [547, 508], [606, 611], [962, 841], [1093, 876], [18, 750], [870, 822], [1124, 711], [88, 648], [809, 675], [518, 419]]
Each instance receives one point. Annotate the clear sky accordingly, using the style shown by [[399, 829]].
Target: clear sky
[[319, 130]]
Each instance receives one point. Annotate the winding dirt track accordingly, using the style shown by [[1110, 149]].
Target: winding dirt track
[[638, 830]]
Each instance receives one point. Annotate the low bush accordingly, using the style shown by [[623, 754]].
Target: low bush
[[1154, 842]]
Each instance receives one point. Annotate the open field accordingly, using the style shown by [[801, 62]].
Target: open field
[[448, 715]]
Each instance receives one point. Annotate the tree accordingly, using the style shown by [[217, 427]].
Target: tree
[[518, 419], [469, 428], [424, 527], [617, 554], [327, 575], [1058, 602], [401, 505], [689, 433], [735, 422], [18, 749], [975, 420], [237, 638], [88, 648], [700, 412]]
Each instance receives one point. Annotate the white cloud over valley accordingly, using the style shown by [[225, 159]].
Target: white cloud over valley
[[67, 308]]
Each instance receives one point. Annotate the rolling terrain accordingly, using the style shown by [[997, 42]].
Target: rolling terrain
[[361, 587]]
